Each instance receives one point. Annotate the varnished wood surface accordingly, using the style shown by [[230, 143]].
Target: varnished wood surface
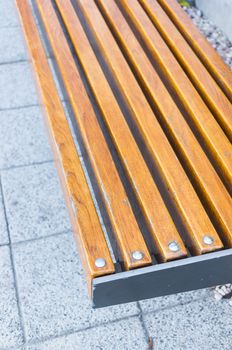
[[85, 221], [177, 183], [213, 62], [201, 78], [180, 111], [127, 232], [214, 138], [161, 225], [192, 154]]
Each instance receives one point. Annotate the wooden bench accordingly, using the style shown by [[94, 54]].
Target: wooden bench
[[151, 107]]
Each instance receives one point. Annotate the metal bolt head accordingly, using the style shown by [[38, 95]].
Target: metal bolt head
[[137, 255], [208, 240], [100, 262], [174, 246]]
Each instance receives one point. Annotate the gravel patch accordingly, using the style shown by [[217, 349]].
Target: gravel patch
[[214, 34]]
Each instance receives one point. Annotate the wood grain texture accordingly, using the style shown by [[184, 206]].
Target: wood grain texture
[[213, 137], [213, 62], [179, 187], [160, 223], [208, 181], [85, 221], [127, 232], [198, 74]]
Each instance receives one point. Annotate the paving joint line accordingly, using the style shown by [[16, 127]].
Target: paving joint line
[[14, 62], [73, 331], [31, 240], [49, 161], [4, 244], [13, 267], [10, 26], [38, 105], [146, 332]]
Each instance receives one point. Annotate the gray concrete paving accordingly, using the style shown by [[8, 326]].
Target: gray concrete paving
[[54, 295], [23, 139], [43, 296], [17, 87], [8, 13], [125, 334], [11, 333], [202, 324], [13, 46], [34, 202]]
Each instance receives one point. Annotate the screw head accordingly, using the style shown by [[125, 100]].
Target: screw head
[[174, 246], [208, 240], [100, 262], [137, 255]]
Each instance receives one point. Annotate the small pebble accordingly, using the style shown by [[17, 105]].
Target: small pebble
[[222, 292]]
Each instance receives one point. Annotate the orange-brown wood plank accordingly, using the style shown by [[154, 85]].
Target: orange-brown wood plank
[[83, 214], [192, 154], [214, 63], [178, 185], [159, 220], [127, 232], [201, 78], [217, 143]]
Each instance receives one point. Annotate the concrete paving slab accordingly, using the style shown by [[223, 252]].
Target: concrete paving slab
[[8, 14], [10, 329], [169, 301], [123, 335], [205, 325], [34, 202], [23, 139], [12, 46], [53, 294], [17, 86], [4, 239]]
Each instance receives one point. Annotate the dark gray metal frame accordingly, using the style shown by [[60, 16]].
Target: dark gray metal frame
[[173, 277]]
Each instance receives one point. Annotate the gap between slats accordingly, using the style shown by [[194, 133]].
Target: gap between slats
[[199, 169], [113, 59], [198, 115], [127, 233], [139, 178], [211, 93], [208, 55]]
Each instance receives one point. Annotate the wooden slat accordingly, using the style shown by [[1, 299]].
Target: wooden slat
[[204, 83], [83, 214], [179, 187], [214, 63], [192, 154], [218, 145], [127, 232], [160, 223]]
